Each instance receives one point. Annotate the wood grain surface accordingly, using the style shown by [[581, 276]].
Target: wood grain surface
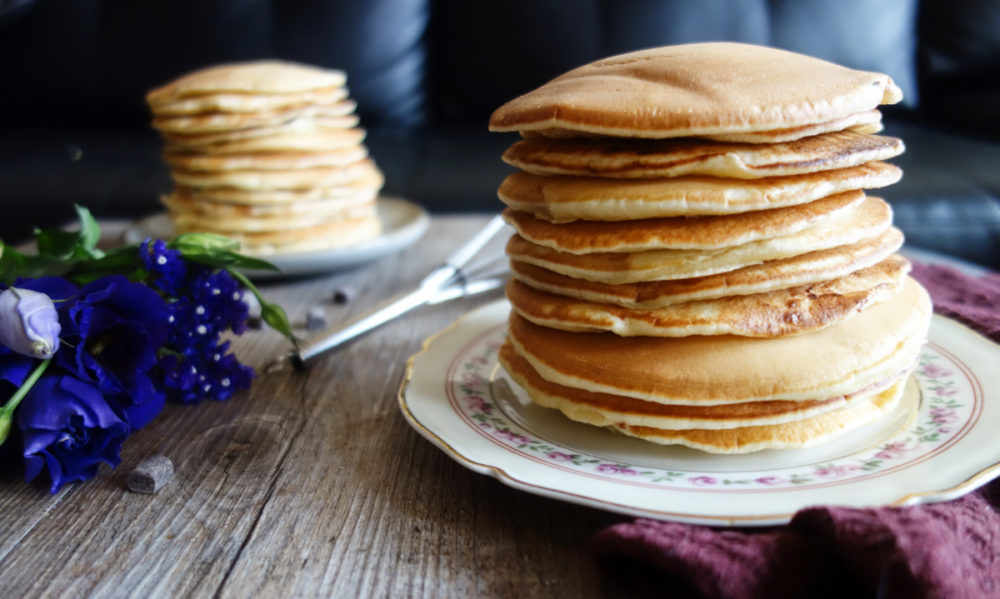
[[310, 484]]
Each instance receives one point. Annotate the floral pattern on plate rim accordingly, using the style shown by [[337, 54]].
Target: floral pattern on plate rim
[[946, 414]]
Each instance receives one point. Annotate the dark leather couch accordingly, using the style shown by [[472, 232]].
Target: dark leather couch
[[427, 74]]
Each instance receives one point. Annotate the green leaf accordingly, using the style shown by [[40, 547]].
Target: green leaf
[[17, 265], [122, 260], [55, 243], [90, 231], [216, 251], [225, 259], [71, 246], [203, 243], [11, 262]]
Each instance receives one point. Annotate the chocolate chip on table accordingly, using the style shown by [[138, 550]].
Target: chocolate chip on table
[[343, 295], [316, 318], [151, 474]]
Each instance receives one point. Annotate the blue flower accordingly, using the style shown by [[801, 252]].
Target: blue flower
[[167, 266], [68, 428], [115, 329], [212, 374], [198, 366], [118, 327]]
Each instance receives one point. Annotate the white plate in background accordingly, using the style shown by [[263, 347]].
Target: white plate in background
[[403, 223]]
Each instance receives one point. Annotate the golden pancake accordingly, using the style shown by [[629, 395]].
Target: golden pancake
[[241, 102], [227, 121], [326, 235], [872, 218], [862, 123], [266, 162], [768, 276], [234, 218], [704, 370], [299, 124], [366, 186], [318, 140], [649, 158], [268, 180], [699, 232], [694, 90], [605, 409], [258, 77], [778, 313], [812, 431], [564, 198]]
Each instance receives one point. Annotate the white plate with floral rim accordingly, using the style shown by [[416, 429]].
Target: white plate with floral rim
[[456, 396], [403, 223]]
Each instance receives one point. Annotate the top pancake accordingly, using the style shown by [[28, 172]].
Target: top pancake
[[694, 90], [642, 158], [259, 77]]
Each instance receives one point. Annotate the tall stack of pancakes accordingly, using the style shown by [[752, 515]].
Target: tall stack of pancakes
[[695, 260], [269, 153]]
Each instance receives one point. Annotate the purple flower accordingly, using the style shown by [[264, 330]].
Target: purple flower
[[835, 470], [213, 374], [473, 379], [68, 428], [117, 328], [943, 415], [559, 456], [770, 480], [934, 371], [702, 481], [479, 404], [893, 451], [615, 469], [198, 366], [29, 324], [511, 436], [942, 391], [167, 266]]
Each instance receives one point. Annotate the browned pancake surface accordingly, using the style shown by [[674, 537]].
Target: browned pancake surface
[[564, 198], [807, 268], [775, 314], [707, 232], [647, 158]]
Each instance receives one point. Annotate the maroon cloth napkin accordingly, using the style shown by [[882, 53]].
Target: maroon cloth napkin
[[945, 550]]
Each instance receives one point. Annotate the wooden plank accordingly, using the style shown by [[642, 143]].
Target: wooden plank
[[311, 484]]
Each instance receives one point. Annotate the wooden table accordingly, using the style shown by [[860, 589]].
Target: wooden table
[[309, 484]]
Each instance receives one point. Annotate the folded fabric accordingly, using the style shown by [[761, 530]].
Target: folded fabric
[[974, 301], [943, 550]]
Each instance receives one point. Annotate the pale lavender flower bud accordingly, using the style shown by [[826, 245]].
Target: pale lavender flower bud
[[253, 304], [29, 324]]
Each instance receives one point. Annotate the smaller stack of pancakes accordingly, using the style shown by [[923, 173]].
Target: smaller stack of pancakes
[[269, 153], [696, 261]]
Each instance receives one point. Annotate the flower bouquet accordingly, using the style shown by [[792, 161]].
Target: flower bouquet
[[93, 343]]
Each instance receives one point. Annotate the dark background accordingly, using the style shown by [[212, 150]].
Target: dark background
[[427, 73]]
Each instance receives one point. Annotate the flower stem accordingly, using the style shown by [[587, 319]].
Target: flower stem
[[272, 314], [7, 411]]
